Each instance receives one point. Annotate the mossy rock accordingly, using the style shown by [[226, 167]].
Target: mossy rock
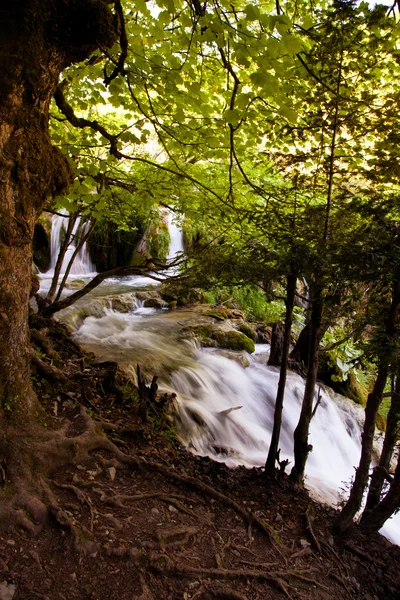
[[151, 299], [218, 312], [234, 340], [182, 296], [248, 331]]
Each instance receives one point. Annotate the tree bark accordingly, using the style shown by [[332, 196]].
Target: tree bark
[[301, 445], [38, 39], [273, 448], [391, 436], [277, 343], [346, 516], [386, 508]]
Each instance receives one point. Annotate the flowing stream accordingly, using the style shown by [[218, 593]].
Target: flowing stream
[[225, 411]]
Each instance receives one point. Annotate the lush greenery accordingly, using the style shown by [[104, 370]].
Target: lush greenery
[[273, 128]]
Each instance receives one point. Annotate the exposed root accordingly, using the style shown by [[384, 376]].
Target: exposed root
[[203, 488], [225, 594], [310, 530], [47, 370], [166, 566], [40, 340]]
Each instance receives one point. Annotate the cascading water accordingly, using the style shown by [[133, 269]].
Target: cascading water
[[82, 264], [176, 246], [225, 411]]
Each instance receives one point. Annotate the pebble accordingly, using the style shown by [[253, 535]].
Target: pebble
[[7, 591], [172, 509], [112, 471], [155, 511]]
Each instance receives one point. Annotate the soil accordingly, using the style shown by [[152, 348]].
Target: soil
[[172, 526]]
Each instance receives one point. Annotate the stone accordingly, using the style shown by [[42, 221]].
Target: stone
[[7, 591], [112, 471]]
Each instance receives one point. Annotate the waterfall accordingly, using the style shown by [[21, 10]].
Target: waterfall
[[225, 411], [82, 264], [175, 231]]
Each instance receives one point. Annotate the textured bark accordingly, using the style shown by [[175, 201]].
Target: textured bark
[[276, 354], [273, 448], [386, 508], [346, 516], [391, 437], [301, 445], [38, 39]]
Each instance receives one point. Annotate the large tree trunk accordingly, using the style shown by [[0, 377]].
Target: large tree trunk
[[276, 431], [38, 39], [301, 445], [349, 511]]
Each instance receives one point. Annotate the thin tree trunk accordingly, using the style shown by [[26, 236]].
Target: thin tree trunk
[[386, 508], [276, 431], [301, 445], [79, 245], [346, 516], [391, 436], [277, 342], [60, 258]]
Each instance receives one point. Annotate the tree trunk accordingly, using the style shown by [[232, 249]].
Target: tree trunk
[[386, 508], [38, 39], [353, 504], [391, 436], [277, 337], [301, 348], [301, 445], [273, 448]]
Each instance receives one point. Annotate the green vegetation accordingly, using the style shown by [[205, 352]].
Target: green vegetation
[[250, 299]]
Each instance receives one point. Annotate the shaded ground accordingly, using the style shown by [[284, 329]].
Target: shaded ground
[[173, 526]]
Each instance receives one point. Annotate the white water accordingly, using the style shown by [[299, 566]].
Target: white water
[[226, 412], [175, 231], [82, 264]]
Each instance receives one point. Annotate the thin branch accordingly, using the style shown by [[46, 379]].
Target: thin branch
[[123, 40]]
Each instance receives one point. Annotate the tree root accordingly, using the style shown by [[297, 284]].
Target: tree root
[[167, 566], [40, 340], [225, 594], [310, 530], [203, 488], [47, 370]]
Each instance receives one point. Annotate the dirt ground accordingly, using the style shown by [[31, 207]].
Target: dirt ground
[[172, 526]]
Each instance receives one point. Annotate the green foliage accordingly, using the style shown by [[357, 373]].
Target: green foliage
[[250, 299], [158, 243]]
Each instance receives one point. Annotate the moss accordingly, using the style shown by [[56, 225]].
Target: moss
[[247, 330], [234, 340]]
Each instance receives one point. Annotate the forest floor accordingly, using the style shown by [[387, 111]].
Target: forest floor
[[174, 526]]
